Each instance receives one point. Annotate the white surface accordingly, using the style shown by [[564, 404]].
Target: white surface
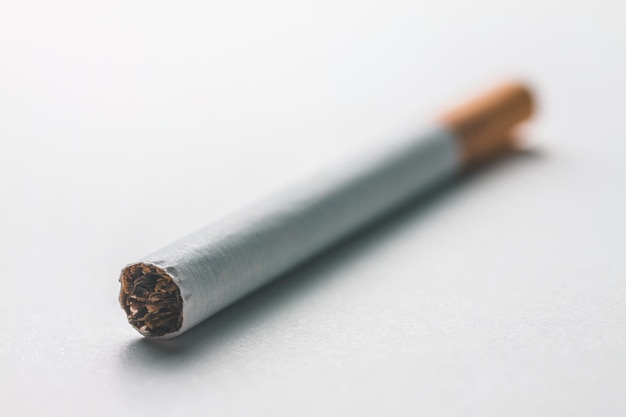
[[502, 296]]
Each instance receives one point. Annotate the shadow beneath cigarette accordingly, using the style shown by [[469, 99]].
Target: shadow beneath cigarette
[[219, 335]]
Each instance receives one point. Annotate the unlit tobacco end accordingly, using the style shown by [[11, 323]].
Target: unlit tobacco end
[[151, 300]]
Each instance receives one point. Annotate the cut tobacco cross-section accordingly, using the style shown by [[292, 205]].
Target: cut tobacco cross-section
[[151, 300]]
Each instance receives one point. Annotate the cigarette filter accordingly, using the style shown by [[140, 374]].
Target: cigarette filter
[[171, 290]]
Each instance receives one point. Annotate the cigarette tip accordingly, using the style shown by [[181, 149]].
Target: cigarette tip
[[485, 124]]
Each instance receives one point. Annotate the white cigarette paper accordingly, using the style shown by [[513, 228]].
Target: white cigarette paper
[[173, 289]]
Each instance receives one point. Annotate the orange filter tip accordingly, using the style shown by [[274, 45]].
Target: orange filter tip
[[484, 124]]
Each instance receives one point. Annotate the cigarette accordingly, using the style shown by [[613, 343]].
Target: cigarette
[[177, 287]]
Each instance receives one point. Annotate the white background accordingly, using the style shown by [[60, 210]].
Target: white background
[[126, 124]]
